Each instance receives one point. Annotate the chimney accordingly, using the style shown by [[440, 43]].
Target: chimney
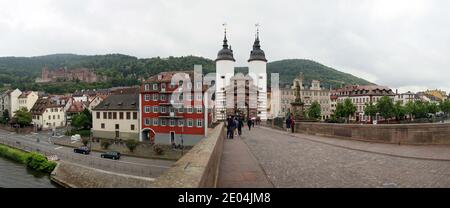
[[396, 91]]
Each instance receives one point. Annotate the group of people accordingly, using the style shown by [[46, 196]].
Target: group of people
[[290, 124], [235, 123]]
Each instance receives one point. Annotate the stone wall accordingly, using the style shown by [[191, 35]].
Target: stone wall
[[432, 133], [72, 175], [112, 135], [199, 168]]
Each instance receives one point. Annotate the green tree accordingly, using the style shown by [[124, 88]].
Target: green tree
[[445, 107], [420, 109], [370, 110], [88, 121], [80, 121], [432, 108], [399, 111], [385, 107], [5, 117], [410, 109], [345, 109], [23, 117], [314, 110]]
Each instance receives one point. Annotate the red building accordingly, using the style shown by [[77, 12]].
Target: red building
[[173, 109]]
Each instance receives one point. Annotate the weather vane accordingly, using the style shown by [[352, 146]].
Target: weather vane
[[225, 27], [257, 25]]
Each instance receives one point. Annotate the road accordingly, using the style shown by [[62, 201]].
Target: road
[[298, 161], [126, 165]]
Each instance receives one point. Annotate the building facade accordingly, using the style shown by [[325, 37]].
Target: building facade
[[27, 100], [309, 95], [174, 109], [117, 117], [47, 114], [361, 96], [9, 100]]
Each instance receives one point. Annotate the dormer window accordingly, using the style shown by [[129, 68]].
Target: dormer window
[[155, 86], [146, 87]]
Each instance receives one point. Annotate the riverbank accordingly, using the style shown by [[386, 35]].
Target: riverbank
[[16, 175], [32, 160]]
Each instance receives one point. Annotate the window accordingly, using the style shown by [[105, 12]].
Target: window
[[163, 109], [199, 96], [155, 109], [199, 122], [163, 86], [59, 117], [163, 97], [199, 85], [190, 109], [132, 127], [103, 126], [155, 86], [104, 115], [172, 122], [163, 122], [147, 109], [190, 122], [121, 115], [115, 115], [128, 115], [199, 109], [109, 115], [147, 87], [222, 77], [155, 97], [172, 109], [147, 121], [54, 117], [180, 123], [49, 117], [98, 115], [155, 122], [147, 97], [180, 110], [134, 115], [117, 126], [189, 85]]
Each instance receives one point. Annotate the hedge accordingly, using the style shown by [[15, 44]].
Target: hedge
[[31, 159]]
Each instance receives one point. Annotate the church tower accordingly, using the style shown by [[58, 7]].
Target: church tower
[[257, 71], [225, 63]]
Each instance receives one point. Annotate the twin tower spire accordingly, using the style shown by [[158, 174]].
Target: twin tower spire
[[226, 53]]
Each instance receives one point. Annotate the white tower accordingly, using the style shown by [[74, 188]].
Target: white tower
[[224, 72], [257, 70]]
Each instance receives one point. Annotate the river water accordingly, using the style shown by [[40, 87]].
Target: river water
[[15, 175]]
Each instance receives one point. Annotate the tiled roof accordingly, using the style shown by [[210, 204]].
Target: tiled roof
[[42, 104], [119, 102], [76, 107]]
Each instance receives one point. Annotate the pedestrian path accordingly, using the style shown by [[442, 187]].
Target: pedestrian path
[[426, 152], [239, 168]]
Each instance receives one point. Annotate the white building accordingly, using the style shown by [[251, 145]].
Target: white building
[[404, 98], [225, 65], [47, 114], [27, 100], [9, 100], [117, 117]]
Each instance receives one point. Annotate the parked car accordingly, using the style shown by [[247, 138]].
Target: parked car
[[111, 155], [82, 150]]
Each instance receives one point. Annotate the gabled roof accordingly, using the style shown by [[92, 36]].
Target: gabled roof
[[120, 102], [42, 104]]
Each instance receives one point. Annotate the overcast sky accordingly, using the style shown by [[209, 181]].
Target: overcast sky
[[403, 44]]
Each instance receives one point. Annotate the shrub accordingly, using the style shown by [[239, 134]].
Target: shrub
[[104, 143], [158, 150], [85, 141], [39, 162], [131, 144], [12, 154]]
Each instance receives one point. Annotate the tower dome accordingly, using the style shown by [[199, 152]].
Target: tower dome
[[257, 53], [225, 53]]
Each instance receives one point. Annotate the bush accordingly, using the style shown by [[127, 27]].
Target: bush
[[39, 162], [104, 143], [158, 150], [131, 144]]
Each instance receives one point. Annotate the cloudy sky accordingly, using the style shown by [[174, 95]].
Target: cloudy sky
[[404, 44]]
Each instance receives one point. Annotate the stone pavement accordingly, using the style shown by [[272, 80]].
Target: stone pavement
[[239, 168], [426, 152], [309, 161]]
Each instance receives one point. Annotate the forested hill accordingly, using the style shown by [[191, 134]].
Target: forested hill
[[123, 70]]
